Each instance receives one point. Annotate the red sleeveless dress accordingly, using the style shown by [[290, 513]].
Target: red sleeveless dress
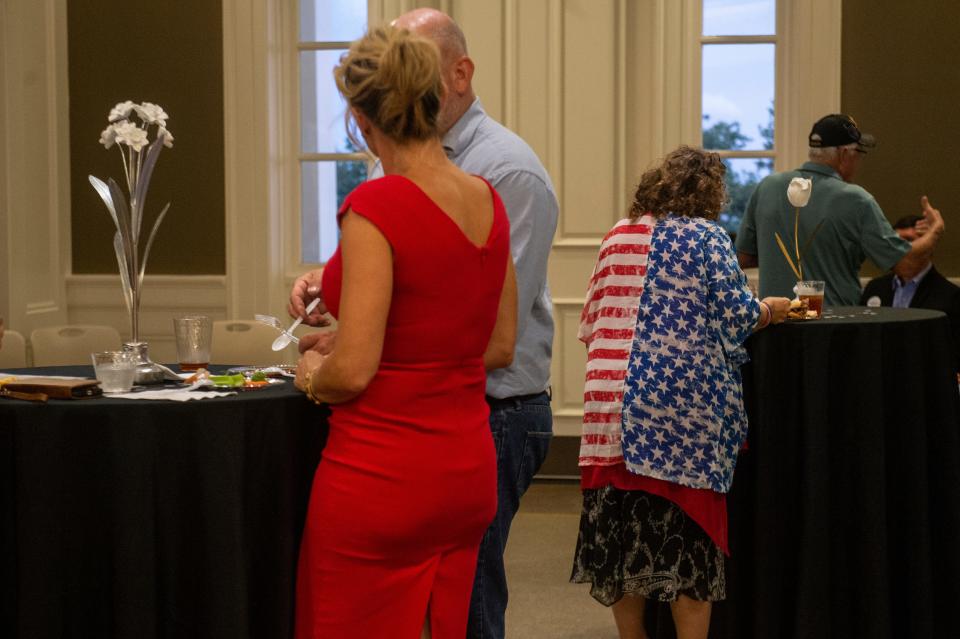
[[407, 483]]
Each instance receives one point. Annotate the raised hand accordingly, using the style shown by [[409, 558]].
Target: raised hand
[[305, 289], [931, 217]]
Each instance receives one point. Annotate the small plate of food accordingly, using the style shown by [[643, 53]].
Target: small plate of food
[[203, 380], [277, 370]]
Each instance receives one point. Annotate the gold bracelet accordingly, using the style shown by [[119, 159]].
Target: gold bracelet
[[308, 379]]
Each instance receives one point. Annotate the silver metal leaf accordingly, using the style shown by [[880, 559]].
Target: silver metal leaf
[[124, 271], [126, 233], [104, 191], [146, 251], [143, 182]]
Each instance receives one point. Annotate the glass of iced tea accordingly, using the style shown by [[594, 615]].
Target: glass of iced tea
[[193, 334], [811, 292]]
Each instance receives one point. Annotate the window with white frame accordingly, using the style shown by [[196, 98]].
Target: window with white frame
[[738, 43], [330, 165]]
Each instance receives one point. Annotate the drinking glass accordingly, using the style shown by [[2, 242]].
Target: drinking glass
[[193, 334], [811, 292], [115, 370]]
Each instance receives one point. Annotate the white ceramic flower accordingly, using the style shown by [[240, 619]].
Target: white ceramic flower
[[108, 136], [799, 191], [167, 137], [150, 113], [130, 134], [121, 111]]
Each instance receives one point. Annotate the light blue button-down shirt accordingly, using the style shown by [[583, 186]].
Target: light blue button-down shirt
[[480, 145], [903, 292]]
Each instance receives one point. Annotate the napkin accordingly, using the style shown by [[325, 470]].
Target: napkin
[[171, 394]]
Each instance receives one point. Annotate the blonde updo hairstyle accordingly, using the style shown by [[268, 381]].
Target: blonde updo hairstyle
[[393, 77]]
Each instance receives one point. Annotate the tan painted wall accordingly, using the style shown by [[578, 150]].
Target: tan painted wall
[[901, 82], [169, 53]]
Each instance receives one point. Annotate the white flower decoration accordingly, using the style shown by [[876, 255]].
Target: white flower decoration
[[125, 129], [130, 134], [129, 129], [167, 137], [799, 191], [150, 113], [108, 136], [121, 111]]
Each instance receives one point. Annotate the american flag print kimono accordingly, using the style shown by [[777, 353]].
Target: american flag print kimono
[[667, 312]]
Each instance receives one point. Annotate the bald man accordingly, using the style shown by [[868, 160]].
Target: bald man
[[520, 417]]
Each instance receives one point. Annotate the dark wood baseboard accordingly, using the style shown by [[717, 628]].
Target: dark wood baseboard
[[561, 461]]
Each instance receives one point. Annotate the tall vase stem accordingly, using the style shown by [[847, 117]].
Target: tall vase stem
[[135, 315]]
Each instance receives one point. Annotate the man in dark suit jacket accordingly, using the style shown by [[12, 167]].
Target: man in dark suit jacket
[[929, 289]]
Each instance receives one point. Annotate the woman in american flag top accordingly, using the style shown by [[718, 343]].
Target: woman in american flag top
[[667, 312]]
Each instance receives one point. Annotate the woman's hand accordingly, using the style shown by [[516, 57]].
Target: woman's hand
[[305, 289], [779, 306], [320, 341], [310, 362]]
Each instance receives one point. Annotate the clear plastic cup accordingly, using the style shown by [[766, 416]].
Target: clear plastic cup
[[193, 333], [115, 370], [811, 292]]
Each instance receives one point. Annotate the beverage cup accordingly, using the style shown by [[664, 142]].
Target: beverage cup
[[193, 334], [115, 370], [811, 292]]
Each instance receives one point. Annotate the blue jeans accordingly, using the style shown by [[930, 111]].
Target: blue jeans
[[522, 429]]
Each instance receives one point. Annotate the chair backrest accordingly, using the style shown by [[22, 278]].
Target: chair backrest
[[72, 344], [244, 342], [13, 353]]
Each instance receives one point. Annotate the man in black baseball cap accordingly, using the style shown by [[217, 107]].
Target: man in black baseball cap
[[848, 222], [839, 129]]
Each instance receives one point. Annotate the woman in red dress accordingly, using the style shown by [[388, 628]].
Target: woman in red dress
[[423, 288]]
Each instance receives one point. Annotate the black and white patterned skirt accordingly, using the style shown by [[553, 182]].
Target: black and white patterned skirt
[[634, 543]]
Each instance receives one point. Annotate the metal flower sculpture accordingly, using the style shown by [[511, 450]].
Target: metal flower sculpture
[[798, 193], [127, 209]]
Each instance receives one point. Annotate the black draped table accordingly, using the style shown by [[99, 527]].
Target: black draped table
[[845, 507], [152, 519]]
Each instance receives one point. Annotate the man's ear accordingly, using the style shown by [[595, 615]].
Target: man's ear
[[462, 75]]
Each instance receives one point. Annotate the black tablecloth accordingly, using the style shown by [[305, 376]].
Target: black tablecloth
[[153, 519], [845, 508]]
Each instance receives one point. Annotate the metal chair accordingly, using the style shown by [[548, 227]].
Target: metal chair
[[71, 344], [13, 353]]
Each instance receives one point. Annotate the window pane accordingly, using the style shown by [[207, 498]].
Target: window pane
[[739, 17], [323, 186], [738, 96], [743, 175], [322, 127], [332, 20]]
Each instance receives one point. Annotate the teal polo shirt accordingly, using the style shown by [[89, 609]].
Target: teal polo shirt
[[854, 228]]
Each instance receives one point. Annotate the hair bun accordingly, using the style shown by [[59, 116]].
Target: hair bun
[[393, 77]]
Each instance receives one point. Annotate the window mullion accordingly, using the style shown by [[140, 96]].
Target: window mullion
[[333, 157], [322, 46], [757, 39]]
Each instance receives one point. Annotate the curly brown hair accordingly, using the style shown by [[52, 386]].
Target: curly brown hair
[[689, 182]]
